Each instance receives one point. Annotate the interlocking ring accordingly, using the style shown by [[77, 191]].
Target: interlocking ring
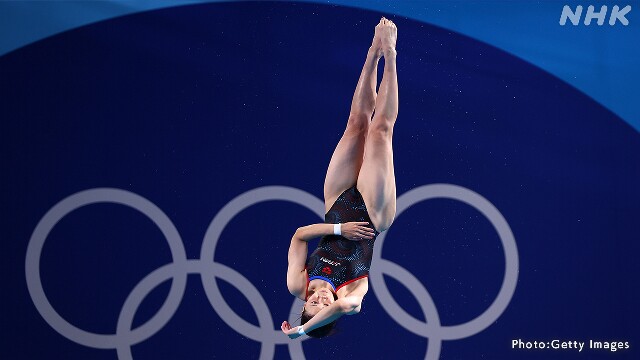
[[122, 336], [432, 329], [208, 269]]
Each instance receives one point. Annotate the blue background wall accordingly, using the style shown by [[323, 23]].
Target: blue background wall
[[193, 106]]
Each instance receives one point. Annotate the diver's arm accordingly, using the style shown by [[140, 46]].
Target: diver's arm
[[296, 277], [313, 231], [345, 306], [355, 230]]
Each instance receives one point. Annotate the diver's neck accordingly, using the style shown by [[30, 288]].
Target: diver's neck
[[320, 284]]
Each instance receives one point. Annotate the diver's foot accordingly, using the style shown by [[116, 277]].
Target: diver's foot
[[388, 34], [376, 44]]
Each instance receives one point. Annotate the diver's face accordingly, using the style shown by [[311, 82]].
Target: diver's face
[[319, 300]]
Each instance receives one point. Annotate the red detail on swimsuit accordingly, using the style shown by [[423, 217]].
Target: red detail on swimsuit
[[350, 281], [327, 270]]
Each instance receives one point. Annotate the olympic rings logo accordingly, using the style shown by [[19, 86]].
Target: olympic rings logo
[[209, 270]]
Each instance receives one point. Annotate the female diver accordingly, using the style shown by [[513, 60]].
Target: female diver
[[360, 200]]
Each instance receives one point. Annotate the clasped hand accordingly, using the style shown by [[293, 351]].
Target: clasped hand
[[356, 231]]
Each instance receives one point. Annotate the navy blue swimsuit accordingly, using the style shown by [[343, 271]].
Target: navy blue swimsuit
[[337, 260]]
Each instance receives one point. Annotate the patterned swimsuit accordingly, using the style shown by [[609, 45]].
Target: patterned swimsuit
[[337, 260]]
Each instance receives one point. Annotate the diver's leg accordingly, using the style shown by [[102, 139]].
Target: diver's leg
[[346, 160], [376, 180]]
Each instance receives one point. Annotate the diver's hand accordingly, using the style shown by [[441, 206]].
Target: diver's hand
[[292, 333], [356, 231]]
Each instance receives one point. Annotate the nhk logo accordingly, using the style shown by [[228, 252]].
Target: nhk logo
[[616, 15]]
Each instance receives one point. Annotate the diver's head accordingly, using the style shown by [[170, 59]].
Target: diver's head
[[318, 300]]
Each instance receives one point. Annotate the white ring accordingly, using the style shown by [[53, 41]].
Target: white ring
[[265, 333], [433, 329], [34, 251]]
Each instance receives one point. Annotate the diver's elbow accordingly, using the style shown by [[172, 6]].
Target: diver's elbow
[[351, 306]]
